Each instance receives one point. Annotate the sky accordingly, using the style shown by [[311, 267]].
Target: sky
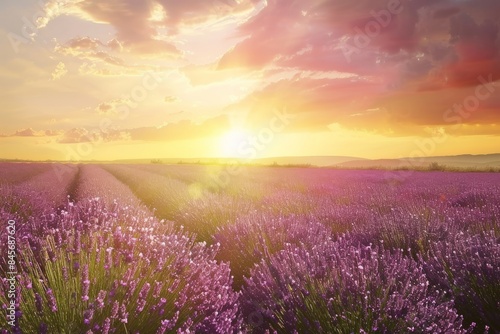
[[125, 79]]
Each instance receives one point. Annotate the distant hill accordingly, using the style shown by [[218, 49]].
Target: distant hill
[[482, 161], [461, 161], [306, 160], [309, 160]]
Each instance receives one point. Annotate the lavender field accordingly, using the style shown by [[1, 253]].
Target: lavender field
[[207, 249]]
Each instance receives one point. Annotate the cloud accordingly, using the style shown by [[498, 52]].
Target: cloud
[[59, 71], [82, 135], [199, 75], [196, 12], [83, 43], [102, 58], [278, 29], [170, 132], [90, 68], [26, 133], [408, 63], [53, 9], [115, 45], [29, 132], [139, 24], [182, 130], [170, 99], [89, 49], [314, 102], [75, 135], [104, 108], [416, 41], [109, 107], [445, 12], [52, 133], [475, 130], [368, 105]]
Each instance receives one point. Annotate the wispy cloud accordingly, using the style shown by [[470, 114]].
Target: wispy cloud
[[59, 71]]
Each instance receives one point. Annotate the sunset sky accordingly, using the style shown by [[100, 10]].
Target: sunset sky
[[115, 79]]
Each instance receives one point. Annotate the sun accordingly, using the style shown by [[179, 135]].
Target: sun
[[231, 141]]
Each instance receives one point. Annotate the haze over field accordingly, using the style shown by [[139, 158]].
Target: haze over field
[[127, 79]]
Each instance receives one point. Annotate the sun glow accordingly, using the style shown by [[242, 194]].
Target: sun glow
[[232, 141]]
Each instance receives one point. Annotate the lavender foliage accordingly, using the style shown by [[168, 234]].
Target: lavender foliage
[[117, 248], [339, 287], [467, 267], [96, 259]]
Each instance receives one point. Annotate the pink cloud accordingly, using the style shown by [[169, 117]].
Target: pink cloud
[[26, 133], [138, 23], [410, 60], [406, 39], [404, 57], [29, 132], [369, 106]]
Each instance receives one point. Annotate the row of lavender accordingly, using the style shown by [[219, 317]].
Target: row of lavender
[[418, 255], [105, 265]]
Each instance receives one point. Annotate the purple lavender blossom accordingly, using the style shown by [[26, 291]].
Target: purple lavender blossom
[[467, 268], [338, 287]]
